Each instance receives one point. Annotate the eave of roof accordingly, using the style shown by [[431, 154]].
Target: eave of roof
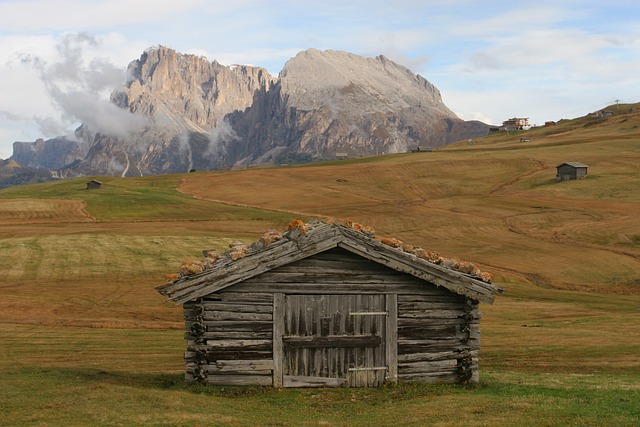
[[322, 237]]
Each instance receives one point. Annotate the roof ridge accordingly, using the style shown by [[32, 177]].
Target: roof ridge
[[307, 239]]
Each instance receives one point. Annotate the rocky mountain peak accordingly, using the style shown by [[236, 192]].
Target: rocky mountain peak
[[375, 84], [186, 90]]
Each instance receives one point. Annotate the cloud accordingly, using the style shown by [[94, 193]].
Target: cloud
[[218, 137], [80, 89]]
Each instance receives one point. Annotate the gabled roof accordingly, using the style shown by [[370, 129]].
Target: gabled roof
[[313, 239], [574, 164]]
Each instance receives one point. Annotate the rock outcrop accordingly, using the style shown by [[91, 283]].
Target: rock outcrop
[[195, 114]]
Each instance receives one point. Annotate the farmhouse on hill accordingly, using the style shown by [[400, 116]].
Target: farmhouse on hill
[[571, 170], [516, 123], [328, 305]]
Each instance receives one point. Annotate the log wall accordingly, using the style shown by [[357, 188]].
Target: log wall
[[230, 339], [438, 338]]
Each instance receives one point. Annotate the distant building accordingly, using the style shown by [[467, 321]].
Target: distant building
[[551, 123], [571, 170], [516, 123], [93, 184], [604, 113], [342, 156], [421, 149]]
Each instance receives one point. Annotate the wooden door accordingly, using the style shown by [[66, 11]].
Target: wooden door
[[334, 340]]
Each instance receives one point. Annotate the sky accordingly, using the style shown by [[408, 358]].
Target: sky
[[491, 60]]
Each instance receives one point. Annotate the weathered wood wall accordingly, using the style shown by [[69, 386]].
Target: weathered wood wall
[[438, 338], [230, 334], [230, 339]]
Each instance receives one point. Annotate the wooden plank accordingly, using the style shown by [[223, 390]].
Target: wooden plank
[[444, 296], [304, 381], [225, 354], [278, 331], [263, 380], [240, 335], [234, 315], [240, 344], [407, 321], [265, 298], [428, 346], [427, 367], [332, 341], [336, 277], [236, 307], [432, 378], [431, 305], [307, 288], [431, 314], [238, 326], [255, 365], [426, 357], [215, 370], [433, 356], [425, 332], [391, 337]]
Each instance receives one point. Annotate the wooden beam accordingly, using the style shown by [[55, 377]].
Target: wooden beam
[[278, 332], [391, 339], [302, 381], [332, 341]]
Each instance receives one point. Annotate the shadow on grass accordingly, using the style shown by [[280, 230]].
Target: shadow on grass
[[175, 382]]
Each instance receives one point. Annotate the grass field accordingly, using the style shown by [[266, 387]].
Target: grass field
[[86, 340]]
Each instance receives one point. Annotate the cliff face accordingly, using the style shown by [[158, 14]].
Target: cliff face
[[328, 102], [187, 91], [203, 115]]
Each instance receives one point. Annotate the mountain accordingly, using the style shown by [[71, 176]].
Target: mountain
[[329, 102], [183, 112], [13, 173]]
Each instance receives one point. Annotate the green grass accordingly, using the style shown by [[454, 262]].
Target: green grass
[[140, 199], [62, 396]]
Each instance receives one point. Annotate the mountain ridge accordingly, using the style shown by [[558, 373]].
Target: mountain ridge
[[184, 112]]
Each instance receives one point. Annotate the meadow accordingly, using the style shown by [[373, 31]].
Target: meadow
[[86, 340]]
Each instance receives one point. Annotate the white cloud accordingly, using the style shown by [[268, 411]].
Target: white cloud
[[61, 83]]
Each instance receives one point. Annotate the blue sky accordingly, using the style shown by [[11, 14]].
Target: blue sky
[[491, 60]]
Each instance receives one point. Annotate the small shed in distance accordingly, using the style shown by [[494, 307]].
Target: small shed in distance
[[94, 184], [421, 149], [571, 170], [329, 305]]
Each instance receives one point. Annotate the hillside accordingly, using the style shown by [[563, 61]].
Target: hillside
[[493, 200], [81, 323]]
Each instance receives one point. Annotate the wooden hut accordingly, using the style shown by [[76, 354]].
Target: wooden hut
[[94, 184], [326, 305], [571, 170]]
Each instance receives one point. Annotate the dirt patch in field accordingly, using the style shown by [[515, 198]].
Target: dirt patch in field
[[28, 211]]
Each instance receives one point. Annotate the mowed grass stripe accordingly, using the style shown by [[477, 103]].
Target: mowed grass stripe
[[69, 256]]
